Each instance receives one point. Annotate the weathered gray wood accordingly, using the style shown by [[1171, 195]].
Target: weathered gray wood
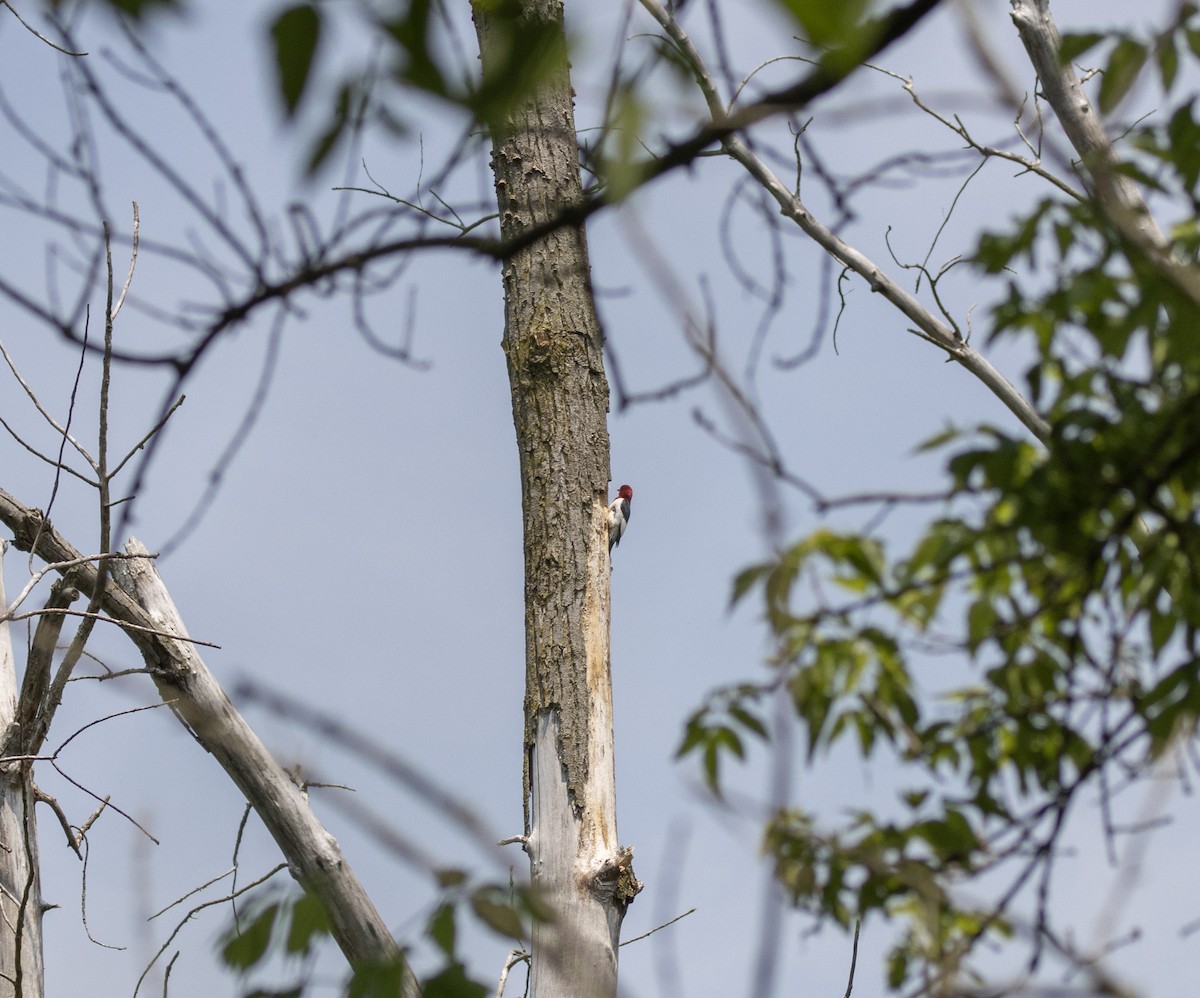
[[184, 682], [143, 606], [20, 881], [554, 347]]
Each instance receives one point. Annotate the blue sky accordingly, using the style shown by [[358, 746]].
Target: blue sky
[[363, 551]]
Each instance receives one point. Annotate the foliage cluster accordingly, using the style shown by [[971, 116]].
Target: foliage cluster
[[1035, 651], [291, 927]]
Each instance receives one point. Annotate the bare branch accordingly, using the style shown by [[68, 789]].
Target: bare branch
[[162, 421], [853, 957], [129, 628], [210, 133], [37, 34], [72, 840], [103, 800], [113, 312], [195, 911], [184, 681], [60, 567], [195, 890], [46, 458], [935, 330], [83, 890], [659, 928], [62, 431], [986, 151], [514, 957], [22, 736]]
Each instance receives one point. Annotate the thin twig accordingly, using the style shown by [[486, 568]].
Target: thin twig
[[645, 935], [62, 431], [195, 911], [125, 625], [112, 315], [514, 957], [83, 899], [45, 798], [195, 890], [726, 129], [162, 421], [853, 957], [61, 567], [37, 34]]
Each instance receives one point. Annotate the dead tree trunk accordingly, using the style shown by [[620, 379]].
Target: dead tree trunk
[[20, 881], [554, 347]]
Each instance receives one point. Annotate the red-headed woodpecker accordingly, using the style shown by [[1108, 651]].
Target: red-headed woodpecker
[[618, 516]]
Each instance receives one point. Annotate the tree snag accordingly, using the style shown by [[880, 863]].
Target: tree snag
[[555, 353]]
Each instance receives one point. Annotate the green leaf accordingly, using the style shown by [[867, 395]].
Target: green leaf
[[450, 877], [137, 9], [309, 921], [1162, 626], [452, 983], [827, 25], [339, 120], [441, 928], [712, 766], [499, 917], [295, 35], [377, 980], [938, 439], [695, 733], [411, 32], [746, 580], [897, 967], [247, 945], [1193, 40], [749, 721], [981, 623], [1172, 706], [1167, 56], [522, 52], [1124, 65], [1183, 152], [624, 168], [1074, 45]]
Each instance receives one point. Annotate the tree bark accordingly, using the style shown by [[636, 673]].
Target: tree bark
[[20, 882], [554, 348]]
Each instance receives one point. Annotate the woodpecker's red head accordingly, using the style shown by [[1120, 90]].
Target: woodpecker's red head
[[625, 492]]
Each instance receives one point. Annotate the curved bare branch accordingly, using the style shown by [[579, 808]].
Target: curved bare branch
[[930, 326]]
